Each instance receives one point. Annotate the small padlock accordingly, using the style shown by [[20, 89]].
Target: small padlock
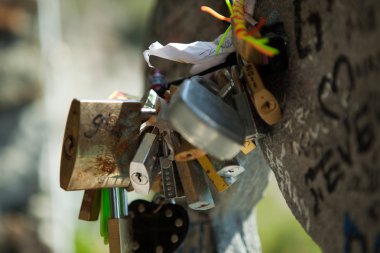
[[90, 208], [198, 194], [142, 168], [225, 81], [243, 106], [171, 183], [151, 104], [207, 83], [265, 103], [120, 224], [187, 152], [248, 147], [100, 140], [205, 121], [158, 227], [229, 170], [172, 186], [211, 172]]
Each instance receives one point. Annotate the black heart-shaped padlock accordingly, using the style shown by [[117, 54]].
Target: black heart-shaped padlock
[[157, 228]]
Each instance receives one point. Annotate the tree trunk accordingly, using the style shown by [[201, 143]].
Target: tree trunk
[[324, 153]]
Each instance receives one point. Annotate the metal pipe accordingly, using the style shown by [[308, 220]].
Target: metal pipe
[[115, 203], [124, 202]]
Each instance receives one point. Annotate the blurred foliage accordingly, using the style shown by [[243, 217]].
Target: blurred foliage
[[279, 231], [88, 239], [128, 19], [134, 28]]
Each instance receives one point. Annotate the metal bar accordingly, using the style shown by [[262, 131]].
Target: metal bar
[[115, 203], [124, 202]]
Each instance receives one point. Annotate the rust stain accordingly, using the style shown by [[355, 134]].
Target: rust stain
[[121, 148], [105, 164]]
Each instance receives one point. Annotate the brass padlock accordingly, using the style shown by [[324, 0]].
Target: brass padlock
[[187, 152], [100, 140], [197, 192], [265, 103], [209, 169], [120, 223], [90, 208]]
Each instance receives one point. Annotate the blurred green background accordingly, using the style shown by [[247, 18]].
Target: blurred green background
[[279, 231]]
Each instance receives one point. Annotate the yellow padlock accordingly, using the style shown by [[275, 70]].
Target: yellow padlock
[[211, 172], [265, 103], [248, 147], [187, 152]]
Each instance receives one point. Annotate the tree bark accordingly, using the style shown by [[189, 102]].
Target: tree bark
[[324, 153]]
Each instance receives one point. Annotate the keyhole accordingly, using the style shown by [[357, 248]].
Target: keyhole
[[138, 175], [139, 178], [267, 106]]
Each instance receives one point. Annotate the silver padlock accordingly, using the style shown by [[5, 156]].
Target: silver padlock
[[229, 170], [224, 79], [205, 121], [243, 106], [142, 168], [171, 183], [197, 191], [207, 83], [151, 104]]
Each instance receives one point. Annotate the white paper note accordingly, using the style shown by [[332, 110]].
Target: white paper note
[[200, 53]]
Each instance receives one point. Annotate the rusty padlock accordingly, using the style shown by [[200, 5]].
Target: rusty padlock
[[100, 140]]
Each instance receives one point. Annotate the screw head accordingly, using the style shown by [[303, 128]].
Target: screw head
[[159, 249], [178, 223], [168, 213], [174, 238], [68, 147]]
